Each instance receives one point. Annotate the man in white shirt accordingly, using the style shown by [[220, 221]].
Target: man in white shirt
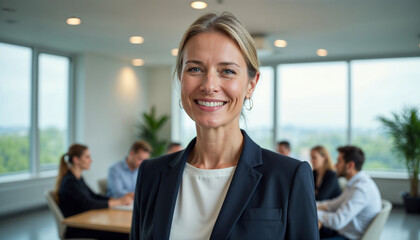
[[348, 215]]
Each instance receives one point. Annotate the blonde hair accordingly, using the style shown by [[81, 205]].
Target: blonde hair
[[230, 26], [75, 150], [328, 164]]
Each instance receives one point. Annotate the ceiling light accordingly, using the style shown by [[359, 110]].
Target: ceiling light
[[322, 52], [73, 21], [198, 4], [136, 40], [137, 62], [280, 43], [174, 52]]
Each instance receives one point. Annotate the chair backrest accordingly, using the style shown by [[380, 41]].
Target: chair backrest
[[373, 232], [58, 216], [103, 184]]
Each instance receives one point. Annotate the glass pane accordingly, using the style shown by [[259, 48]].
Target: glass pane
[[258, 122], [15, 108], [380, 87], [313, 106], [53, 108]]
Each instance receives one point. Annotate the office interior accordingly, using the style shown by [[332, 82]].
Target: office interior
[[112, 82]]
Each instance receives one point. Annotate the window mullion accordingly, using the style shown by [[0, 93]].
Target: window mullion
[[34, 133], [349, 105]]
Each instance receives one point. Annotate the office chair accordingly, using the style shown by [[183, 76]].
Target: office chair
[[373, 232], [103, 184], [58, 216]]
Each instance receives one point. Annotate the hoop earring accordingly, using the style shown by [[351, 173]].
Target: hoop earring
[[180, 104], [251, 104]]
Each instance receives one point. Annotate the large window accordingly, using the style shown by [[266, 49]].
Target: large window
[[380, 87], [53, 110], [312, 106], [34, 109], [15, 108]]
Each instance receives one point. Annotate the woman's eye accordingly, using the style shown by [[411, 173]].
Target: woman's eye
[[194, 69], [228, 71]]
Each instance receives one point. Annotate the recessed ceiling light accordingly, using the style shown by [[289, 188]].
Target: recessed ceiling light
[[174, 52], [136, 40], [73, 21], [198, 4], [280, 43], [322, 52], [137, 62]]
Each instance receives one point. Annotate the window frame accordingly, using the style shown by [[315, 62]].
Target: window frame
[[35, 170]]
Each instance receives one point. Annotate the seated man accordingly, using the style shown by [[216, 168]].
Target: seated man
[[283, 148], [122, 176], [348, 215]]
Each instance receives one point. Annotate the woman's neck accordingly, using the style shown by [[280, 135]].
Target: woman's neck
[[77, 172], [216, 148]]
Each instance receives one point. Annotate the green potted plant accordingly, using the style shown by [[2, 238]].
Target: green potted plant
[[149, 130], [404, 128]]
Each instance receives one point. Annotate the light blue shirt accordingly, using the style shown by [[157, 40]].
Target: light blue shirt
[[351, 212], [121, 179]]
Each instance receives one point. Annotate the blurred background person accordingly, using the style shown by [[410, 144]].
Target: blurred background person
[[74, 196], [283, 147], [174, 147], [122, 176], [325, 179]]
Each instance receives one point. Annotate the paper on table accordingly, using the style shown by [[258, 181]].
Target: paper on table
[[124, 207]]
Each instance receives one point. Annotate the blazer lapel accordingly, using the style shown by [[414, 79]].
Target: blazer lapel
[[243, 185], [170, 181]]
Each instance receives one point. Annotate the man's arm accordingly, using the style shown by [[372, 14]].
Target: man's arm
[[115, 183], [349, 208]]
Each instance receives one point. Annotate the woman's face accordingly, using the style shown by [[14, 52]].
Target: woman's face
[[214, 80], [84, 161], [317, 160]]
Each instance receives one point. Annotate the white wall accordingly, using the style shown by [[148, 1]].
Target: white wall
[[110, 95], [160, 85]]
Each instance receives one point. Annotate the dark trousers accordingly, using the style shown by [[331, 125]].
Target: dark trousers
[[329, 234], [100, 235]]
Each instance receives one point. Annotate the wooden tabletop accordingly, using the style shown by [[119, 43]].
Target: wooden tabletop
[[111, 220]]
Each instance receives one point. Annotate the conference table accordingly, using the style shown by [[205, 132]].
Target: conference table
[[111, 220]]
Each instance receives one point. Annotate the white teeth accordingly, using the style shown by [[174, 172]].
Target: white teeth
[[210, 104]]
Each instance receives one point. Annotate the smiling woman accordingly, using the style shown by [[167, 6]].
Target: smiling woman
[[223, 185]]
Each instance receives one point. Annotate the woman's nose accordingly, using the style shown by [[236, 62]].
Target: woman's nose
[[210, 82]]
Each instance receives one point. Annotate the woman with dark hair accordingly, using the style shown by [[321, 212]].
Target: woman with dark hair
[[325, 179], [74, 196], [223, 185]]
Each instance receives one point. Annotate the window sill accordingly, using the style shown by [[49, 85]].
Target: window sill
[[388, 175], [20, 177]]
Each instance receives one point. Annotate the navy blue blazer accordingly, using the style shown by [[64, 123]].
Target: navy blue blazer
[[270, 197]]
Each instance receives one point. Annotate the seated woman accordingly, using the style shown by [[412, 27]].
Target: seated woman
[[74, 196], [325, 179]]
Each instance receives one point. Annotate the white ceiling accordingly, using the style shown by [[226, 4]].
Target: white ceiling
[[346, 28]]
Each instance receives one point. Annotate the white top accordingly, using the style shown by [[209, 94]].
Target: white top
[[199, 201], [352, 211]]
